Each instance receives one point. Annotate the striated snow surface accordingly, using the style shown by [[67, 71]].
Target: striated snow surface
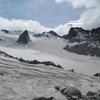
[[20, 81]]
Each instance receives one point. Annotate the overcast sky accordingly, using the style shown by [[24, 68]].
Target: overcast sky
[[48, 12], [47, 15]]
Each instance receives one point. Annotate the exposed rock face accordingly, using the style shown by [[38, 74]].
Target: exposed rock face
[[24, 38], [49, 34], [95, 34], [75, 32], [84, 49], [53, 33], [87, 42]]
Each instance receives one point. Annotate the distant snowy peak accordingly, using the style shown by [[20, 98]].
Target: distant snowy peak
[[24, 38], [50, 34]]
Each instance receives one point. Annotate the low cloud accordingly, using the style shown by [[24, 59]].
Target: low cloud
[[19, 24], [30, 25], [62, 29], [91, 16]]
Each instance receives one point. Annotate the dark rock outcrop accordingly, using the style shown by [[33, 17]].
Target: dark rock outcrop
[[38, 35], [84, 49], [88, 42], [72, 33], [70, 92], [43, 98], [5, 31], [47, 63], [53, 33], [95, 34], [72, 70], [49, 34], [97, 74], [24, 38], [75, 32], [93, 95]]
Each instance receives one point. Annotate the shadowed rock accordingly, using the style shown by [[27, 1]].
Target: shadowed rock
[[96, 34], [74, 32], [5, 31], [43, 98], [97, 75], [84, 49], [71, 92], [53, 33], [24, 38], [87, 41]]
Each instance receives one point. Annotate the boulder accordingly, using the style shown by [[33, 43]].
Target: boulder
[[71, 92]]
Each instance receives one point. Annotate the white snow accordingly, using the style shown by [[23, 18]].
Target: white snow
[[44, 49], [21, 81]]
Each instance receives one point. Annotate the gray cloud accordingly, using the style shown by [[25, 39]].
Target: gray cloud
[[47, 12], [91, 16], [30, 25]]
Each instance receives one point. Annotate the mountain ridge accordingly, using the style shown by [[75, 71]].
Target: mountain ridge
[[87, 41]]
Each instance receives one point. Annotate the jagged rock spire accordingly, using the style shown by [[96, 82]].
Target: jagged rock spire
[[24, 38]]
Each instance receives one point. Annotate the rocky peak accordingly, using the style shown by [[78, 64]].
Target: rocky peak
[[50, 34], [24, 38], [53, 33], [74, 32]]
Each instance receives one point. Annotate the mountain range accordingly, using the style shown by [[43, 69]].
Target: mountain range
[[87, 42], [47, 66]]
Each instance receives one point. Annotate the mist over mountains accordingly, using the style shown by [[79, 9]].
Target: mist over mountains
[[62, 67], [49, 50]]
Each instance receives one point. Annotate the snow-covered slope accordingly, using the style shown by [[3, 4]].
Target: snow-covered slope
[[21, 81], [45, 49], [24, 81]]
